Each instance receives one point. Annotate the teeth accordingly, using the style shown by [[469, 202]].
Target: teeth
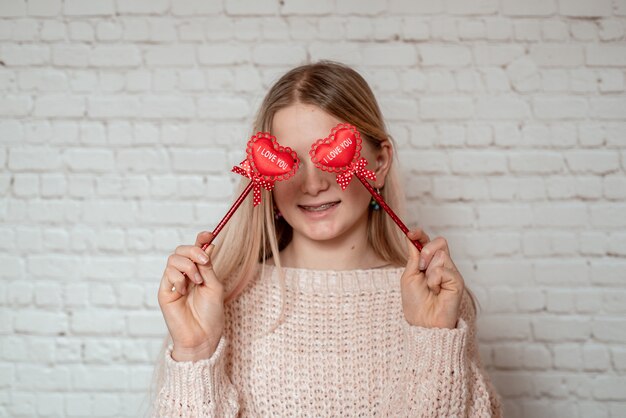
[[319, 208]]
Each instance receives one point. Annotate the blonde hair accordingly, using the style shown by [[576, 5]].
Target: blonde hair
[[253, 236]]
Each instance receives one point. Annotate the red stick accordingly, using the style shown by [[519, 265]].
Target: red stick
[[385, 206], [229, 214]]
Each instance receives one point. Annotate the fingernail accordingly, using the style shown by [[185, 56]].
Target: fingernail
[[422, 264], [198, 278], [203, 258]]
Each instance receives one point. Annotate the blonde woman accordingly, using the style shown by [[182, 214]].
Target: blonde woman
[[314, 304]]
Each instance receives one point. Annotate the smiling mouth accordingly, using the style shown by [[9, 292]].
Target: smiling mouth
[[319, 208]]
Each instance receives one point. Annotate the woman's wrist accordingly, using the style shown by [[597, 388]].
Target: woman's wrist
[[202, 352]]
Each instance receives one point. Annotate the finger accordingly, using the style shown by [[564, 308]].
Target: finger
[[206, 270], [434, 279], [185, 265], [429, 250], [192, 253], [204, 237], [412, 265], [419, 235], [173, 285]]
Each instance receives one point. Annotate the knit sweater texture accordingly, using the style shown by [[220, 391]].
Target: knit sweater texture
[[343, 348]]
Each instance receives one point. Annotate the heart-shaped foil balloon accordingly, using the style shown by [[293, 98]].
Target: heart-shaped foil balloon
[[270, 161], [339, 151]]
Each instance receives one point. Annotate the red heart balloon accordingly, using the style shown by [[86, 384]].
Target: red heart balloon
[[269, 160], [338, 151]]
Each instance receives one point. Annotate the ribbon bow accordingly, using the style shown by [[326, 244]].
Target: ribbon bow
[[245, 170], [356, 168]]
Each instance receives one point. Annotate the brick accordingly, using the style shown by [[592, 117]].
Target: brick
[[455, 188], [278, 55], [40, 322], [431, 162], [161, 106], [592, 161], [444, 55], [596, 357], [554, 30], [607, 215], [34, 159], [528, 8], [253, 8], [97, 322], [356, 7], [389, 55], [462, 7], [503, 328], [42, 378], [303, 7], [537, 357], [450, 215], [118, 56], [472, 30], [606, 55], [582, 8], [527, 30], [223, 55], [223, 108], [70, 55], [498, 29], [142, 324], [561, 272], [498, 216], [529, 162], [501, 108], [614, 187], [170, 56], [611, 81], [530, 300], [560, 107], [167, 213], [112, 107], [608, 272], [59, 106], [561, 329], [523, 189], [609, 388], [481, 162], [557, 55], [89, 160], [44, 8], [101, 378], [404, 7], [142, 160], [446, 108], [609, 108], [15, 105], [89, 7], [13, 8], [560, 215], [24, 55], [142, 6], [195, 7]]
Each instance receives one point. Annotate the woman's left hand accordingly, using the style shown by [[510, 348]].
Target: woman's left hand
[[431, 285]]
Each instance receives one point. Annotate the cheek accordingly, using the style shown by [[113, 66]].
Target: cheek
[[283, 191]]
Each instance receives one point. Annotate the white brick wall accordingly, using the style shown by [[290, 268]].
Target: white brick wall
[[119, 121]]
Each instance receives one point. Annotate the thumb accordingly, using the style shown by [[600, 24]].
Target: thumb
[[412, 265], [206, 270]]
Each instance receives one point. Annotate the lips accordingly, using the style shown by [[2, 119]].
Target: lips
[[319, 207]]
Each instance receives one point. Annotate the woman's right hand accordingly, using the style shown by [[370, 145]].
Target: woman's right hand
[[192, 303]]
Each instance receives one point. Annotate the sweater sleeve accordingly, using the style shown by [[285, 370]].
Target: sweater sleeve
[[197, 389], [444, 376]]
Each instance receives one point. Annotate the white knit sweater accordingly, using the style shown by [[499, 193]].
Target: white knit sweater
[[343, 349]]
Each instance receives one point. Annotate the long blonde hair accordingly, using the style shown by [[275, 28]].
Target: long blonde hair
[[253, 236]]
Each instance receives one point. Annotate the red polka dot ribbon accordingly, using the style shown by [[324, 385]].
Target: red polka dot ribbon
[[245, 170], [355, 169]]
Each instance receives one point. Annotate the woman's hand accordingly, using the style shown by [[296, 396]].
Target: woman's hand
[[192, 303], [432, 287]]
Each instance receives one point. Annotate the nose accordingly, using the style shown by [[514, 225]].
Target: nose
[[313, 180]]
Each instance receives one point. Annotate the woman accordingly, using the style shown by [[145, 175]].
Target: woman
[[314, 304]]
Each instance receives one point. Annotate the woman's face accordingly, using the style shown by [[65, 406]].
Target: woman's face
[[311, 201]]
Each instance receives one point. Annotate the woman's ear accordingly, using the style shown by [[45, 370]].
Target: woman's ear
[[384, 156]]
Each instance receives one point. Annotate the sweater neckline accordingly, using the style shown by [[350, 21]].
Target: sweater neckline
[[335, 282]]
